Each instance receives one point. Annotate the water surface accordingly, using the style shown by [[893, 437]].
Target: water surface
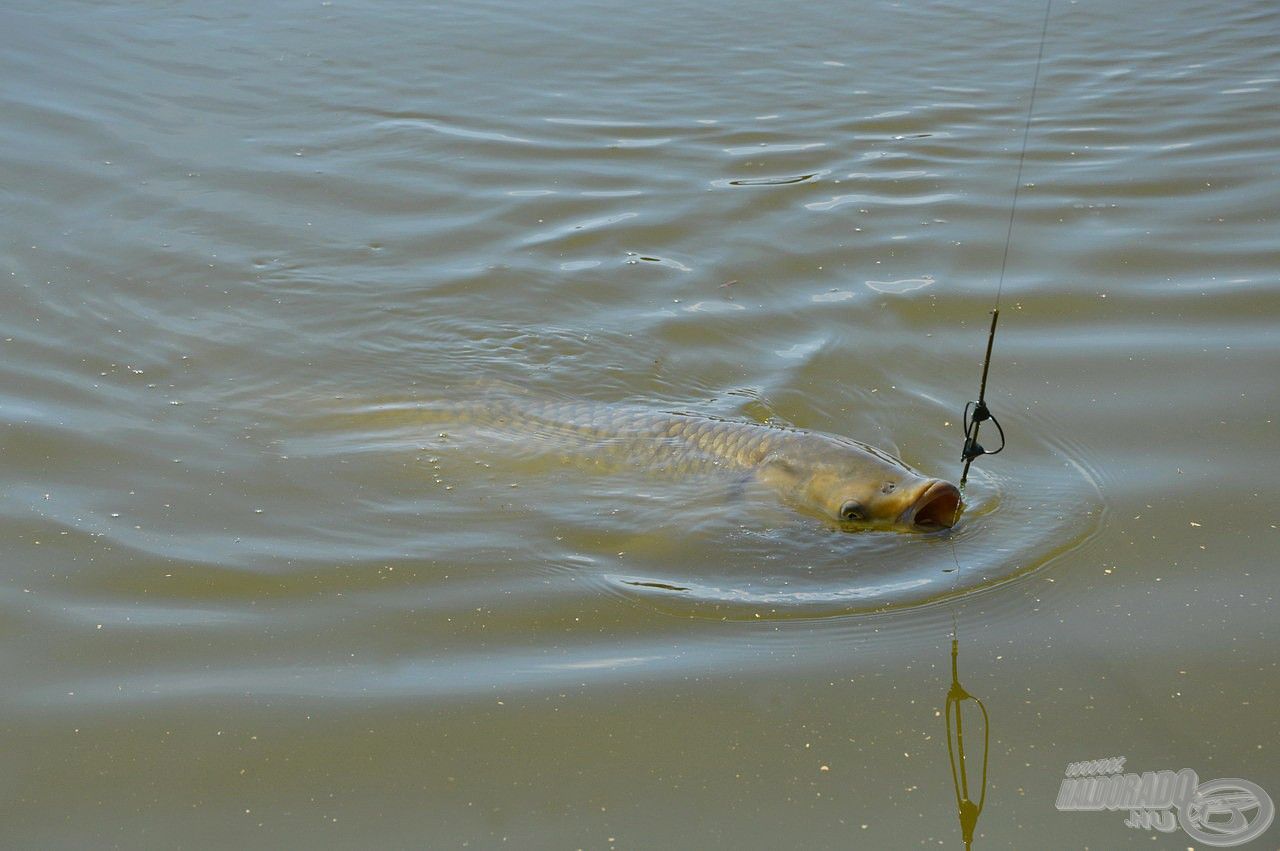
[[228, 621]]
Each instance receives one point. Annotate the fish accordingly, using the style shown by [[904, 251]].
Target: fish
[[849, 484]]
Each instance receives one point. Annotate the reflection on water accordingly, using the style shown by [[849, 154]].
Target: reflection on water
[[958, 753]]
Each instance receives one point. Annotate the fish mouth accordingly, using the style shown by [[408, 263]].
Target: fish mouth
[[937, 507]]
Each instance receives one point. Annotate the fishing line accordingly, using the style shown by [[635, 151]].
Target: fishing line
[[976, 412], [1026, 133]]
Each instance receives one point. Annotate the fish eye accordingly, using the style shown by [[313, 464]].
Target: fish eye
[[852, 510]]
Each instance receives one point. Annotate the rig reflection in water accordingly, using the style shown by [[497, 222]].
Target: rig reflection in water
[[967, 809]]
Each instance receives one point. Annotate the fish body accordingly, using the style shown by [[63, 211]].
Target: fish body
[[842, 480]]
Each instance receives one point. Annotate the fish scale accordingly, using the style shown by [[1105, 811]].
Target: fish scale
[[644, 436], [828, 475]]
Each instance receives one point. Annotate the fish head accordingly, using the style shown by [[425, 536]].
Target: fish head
[[880, 496], [855, 486]]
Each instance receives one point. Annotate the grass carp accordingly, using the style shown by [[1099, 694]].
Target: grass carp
[[843, 481]]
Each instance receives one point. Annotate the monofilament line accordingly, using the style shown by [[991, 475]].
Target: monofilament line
[[1004, 263], [1026, 133]]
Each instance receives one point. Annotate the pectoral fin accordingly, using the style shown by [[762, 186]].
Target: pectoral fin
[[778, 473], [736, 492]]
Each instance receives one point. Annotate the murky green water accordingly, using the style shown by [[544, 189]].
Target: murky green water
[[234, 617]]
